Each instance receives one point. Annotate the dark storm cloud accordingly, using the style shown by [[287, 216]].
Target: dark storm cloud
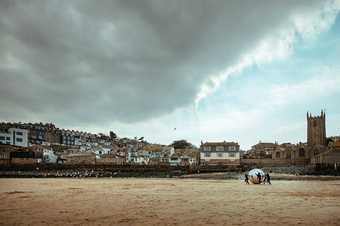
[[93, 61]]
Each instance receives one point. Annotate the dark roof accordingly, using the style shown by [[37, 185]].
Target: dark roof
[[223, 151], [223, 143]]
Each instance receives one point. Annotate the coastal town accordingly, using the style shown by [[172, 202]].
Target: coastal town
[[44, 145], [169, 113]]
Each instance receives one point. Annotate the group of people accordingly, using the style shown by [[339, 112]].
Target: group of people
[[259, 178]]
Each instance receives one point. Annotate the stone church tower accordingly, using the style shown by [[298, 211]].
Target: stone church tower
[[316, 129]]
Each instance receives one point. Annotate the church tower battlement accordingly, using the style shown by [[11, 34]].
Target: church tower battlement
[[316, 129]]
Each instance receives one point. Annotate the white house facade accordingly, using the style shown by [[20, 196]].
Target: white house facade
[[49, 156], [14, 136], [227, 153]]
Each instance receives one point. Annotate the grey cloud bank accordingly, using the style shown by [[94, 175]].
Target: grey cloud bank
[[81, 62]]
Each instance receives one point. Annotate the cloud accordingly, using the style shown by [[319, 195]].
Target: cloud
[[269, 112], [84, 63], [278, 45], [274, 111], [325, 84]]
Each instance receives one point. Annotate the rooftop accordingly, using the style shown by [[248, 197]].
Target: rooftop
[[223, 143]]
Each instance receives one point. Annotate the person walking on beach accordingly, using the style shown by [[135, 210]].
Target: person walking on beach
[[246, 178], [259, 177], [267, 178]]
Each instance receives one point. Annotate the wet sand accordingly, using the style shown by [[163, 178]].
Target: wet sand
[[167, 202]]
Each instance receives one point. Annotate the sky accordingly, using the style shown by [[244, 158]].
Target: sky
[[166, 70]]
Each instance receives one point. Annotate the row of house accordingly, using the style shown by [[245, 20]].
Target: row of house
[[39, 133], [68, 145], [134, 152]]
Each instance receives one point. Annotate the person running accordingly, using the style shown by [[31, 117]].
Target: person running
[[246, 178], [267, 178]]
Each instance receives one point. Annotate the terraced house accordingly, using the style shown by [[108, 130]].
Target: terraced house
[[14, 136]]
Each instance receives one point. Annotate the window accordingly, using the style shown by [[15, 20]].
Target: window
[[207, 148], [20, 133], [2, 138], [301, 152], [220, 155], [232, 154], [19, 139], [219, 148], [8, 138], [206, 154], [278, 155]]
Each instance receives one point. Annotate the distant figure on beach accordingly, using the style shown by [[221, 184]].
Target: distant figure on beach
[[267, 178], [259, 177], [255, 176], [246, 178]]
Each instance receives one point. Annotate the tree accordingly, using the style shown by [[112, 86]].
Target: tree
[[113, 135], [180, 144]]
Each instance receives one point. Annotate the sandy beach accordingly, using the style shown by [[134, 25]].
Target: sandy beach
[[167, 202]]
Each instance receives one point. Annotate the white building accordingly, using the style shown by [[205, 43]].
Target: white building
[[5, 138], [137, 157], [99, 151], [175, 160], [184, 157], [49, 156], [227, 153], [14, 136]]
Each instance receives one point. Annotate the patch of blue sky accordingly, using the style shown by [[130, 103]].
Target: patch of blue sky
[[250, 91]]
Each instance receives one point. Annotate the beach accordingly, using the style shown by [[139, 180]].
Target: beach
[[140, 201]]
